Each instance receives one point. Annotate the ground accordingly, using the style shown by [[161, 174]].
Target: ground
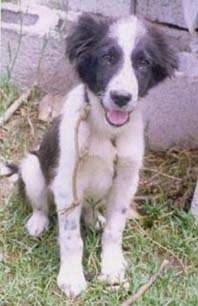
[[29, 266]]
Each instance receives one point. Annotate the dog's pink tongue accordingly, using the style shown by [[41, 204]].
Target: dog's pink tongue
[[117, 117]]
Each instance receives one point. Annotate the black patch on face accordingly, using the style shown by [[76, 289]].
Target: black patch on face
[[96, 56], [48, 152], [153, 60]]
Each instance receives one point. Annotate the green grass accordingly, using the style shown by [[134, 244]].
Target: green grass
[[12, 1], [29, 266], [8, 93]]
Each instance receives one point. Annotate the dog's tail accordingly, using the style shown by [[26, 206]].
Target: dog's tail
[[9, 170]]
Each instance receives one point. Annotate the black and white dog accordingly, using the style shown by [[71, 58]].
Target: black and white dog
[[117, 60]]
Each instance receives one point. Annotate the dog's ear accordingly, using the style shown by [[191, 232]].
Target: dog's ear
[[88, 31], [163, 57]]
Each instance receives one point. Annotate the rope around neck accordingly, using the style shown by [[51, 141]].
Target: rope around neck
[[83, 115]]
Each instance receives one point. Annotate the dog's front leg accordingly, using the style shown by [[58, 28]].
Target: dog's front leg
[[71, 278], [123, 189]]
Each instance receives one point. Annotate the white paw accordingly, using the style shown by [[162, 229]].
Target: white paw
[[72, 284], [113, 270], [37, 223]]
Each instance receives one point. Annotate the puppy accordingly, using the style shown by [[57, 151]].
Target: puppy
[[118, 61]]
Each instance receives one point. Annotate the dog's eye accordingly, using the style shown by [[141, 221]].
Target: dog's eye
[[108, 59], [143, 63]]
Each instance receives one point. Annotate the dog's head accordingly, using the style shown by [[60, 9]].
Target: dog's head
[[119, 60]]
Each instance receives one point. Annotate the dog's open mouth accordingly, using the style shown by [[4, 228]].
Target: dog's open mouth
[[117, 118]]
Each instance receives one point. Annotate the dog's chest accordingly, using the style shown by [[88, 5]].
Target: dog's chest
[[96, 168]]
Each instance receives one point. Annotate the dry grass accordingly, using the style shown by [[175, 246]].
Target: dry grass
[[169, 174]]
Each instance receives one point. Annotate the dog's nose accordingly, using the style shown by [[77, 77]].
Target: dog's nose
[[120, 97]]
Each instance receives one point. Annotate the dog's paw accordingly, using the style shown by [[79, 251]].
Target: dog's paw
[[113, 271], [71, 284], [37, 223]]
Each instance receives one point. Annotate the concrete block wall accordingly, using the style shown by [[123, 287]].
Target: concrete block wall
[[37, 42], [54, 4], [163, 11], [114, 7], [170, 110]]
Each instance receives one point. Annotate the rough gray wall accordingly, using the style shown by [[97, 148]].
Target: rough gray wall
[[39, 50], [113, 7], [165, 11], [171, 110]]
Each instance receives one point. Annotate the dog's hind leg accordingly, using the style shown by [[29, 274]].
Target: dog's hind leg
[[36, 192]]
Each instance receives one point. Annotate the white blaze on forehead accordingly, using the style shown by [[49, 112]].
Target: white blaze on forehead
[[126, 31]]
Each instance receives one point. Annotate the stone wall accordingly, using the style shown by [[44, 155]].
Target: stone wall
[[163, 11], [113, 7]]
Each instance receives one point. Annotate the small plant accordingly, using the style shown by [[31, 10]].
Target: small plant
[[8, 93]]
